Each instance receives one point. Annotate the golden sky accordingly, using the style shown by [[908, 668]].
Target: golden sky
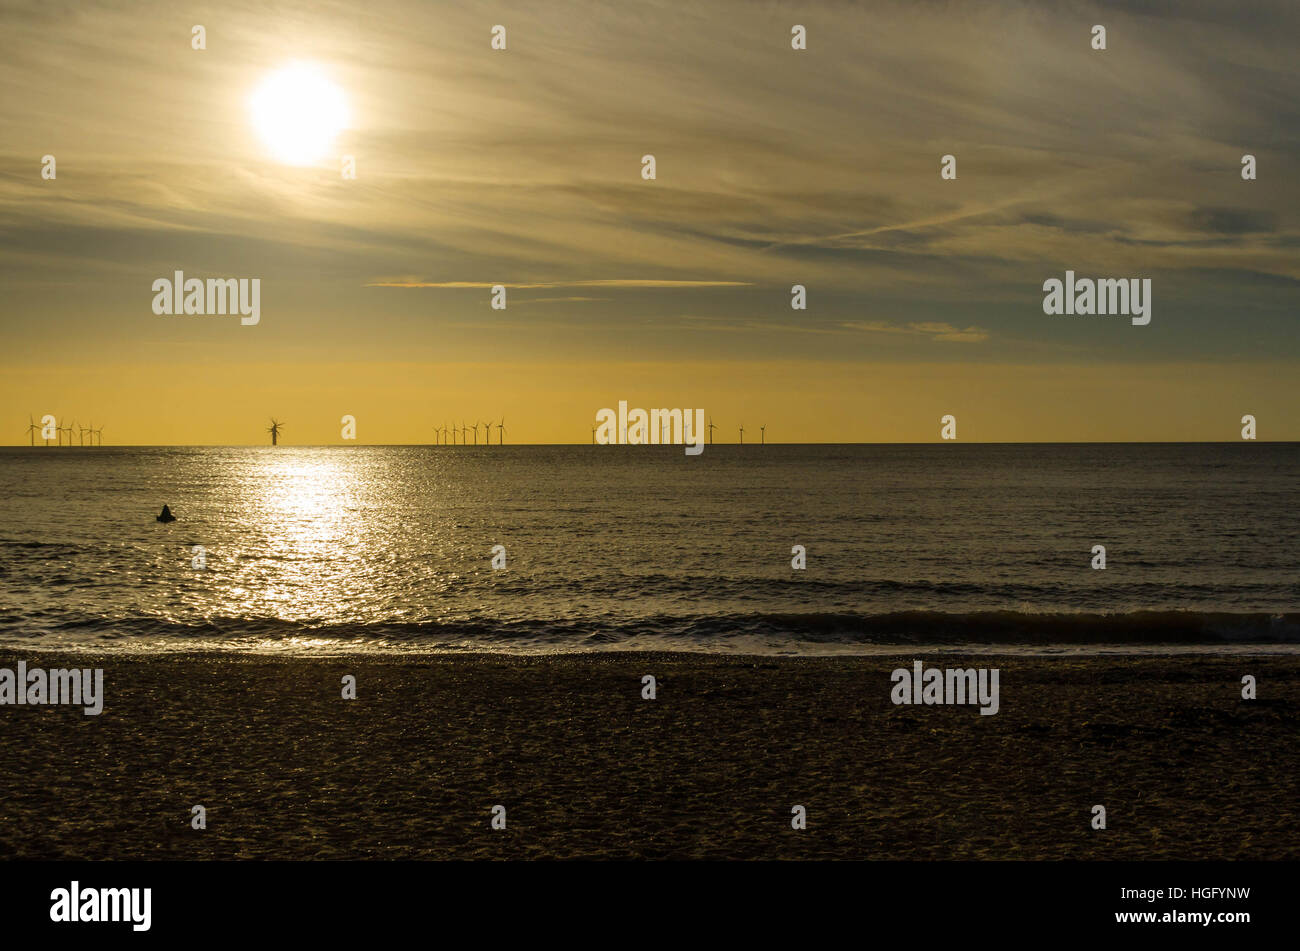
[[775, 167]]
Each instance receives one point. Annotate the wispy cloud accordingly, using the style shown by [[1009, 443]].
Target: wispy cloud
[[935, 330], [561, 300], [526, 164], [608, 283]]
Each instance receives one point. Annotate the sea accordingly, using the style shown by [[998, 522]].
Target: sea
[[341, 549]]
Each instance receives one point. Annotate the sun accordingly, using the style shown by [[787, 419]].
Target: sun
[[298, 112]]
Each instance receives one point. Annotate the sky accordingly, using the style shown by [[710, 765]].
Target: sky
[[774, 167]]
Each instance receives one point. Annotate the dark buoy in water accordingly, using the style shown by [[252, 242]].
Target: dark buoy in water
[[166, 515]]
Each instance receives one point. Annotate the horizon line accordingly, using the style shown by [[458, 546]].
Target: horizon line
[[760, 445]]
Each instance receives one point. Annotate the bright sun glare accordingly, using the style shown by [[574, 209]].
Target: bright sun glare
[[297, 111]]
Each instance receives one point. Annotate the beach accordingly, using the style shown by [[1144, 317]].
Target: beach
[[710, 769]]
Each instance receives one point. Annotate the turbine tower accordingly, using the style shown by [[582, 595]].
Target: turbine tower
[[32, 428], [711, 429], [742, 434], [275, 431], [501, 432], [762, 435]]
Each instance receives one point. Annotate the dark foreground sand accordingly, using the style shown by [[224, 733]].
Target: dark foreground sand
[[587, 769]]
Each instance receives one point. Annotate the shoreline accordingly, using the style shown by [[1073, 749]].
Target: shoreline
[[407, 653], [709, 769]]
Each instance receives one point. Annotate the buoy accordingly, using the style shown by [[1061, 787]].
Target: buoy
[[166, 515]]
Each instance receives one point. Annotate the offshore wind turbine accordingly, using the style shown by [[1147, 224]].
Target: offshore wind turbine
[[501, 432], [762, 435], [275, 431], [742, 434], [100, 433], [711, 429], [464, 440], [487, 432], [32, 428]]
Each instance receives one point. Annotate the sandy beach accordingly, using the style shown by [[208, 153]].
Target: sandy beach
[[711, 768]]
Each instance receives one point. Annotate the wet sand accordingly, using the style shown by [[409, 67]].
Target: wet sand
[[710, 769]]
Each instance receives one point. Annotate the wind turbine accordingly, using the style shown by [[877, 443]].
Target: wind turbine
[[711, 429], [742, 434], [593, 435], [100, 433], [501, 432], [32, 428], [464, 440], [487, 432], [275, 431], [762, 435]]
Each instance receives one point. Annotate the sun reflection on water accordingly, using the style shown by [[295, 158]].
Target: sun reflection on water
[[305, 560]]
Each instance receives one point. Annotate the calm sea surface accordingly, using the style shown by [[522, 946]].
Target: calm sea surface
[[389, 548]]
